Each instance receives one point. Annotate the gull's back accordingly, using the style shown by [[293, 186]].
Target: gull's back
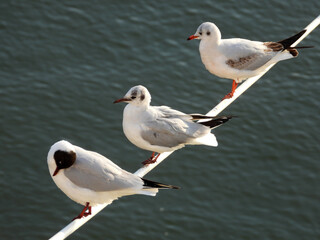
[[95, 172]]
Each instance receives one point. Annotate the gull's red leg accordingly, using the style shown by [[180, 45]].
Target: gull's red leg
[[155, 159], [84, 212], [230, 95], [151, 159], [87, 213]]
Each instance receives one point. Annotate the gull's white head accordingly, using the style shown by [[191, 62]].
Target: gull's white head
[[62, 155], [207, 31], [137, 95]]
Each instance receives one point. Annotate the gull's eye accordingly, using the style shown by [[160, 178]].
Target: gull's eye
[[200, 33], [208, 33], [133, 97]]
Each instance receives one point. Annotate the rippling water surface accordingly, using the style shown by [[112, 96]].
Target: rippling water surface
[[64, 63]]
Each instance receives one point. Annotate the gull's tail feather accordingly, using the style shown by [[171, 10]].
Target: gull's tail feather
[[152, 184], [208, 139], [216, 121]]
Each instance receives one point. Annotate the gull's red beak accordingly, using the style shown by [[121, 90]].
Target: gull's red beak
[[192, 37], [122, 100], [56, 171]]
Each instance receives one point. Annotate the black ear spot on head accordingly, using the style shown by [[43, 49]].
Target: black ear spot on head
[[208, 33], [134, 93], [64, 159], [142, 97]]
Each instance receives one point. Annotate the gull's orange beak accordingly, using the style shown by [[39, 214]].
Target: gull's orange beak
[[122, 100], [192, 37]]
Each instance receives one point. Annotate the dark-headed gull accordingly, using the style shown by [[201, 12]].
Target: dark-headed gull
[[89, 178], [162, 129], [239, 59]]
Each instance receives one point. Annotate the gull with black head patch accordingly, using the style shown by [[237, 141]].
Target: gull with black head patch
[[162, 129], [237, 58], [89, 178]]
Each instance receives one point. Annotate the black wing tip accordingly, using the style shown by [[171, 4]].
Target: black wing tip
[[152, 184], [228, 117], [200, 117], [225, 118], [217, 121], [289, 41]]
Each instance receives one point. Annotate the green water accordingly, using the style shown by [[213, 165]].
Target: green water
[[64, 63]]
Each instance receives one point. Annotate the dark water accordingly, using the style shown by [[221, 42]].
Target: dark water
[[64, 63]]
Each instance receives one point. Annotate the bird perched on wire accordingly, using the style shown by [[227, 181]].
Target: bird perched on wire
[[162, 129], [89, 178], [237, 58]]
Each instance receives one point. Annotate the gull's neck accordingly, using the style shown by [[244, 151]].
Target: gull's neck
[[135, 109], [209, 49], [209, 44]]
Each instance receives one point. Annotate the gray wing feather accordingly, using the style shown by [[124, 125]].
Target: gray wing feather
[[167, 112], [95, 172], [172, 130], [251, 62], [251, 55], [163, 134]]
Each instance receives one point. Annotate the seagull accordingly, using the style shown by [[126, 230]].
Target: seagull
[[89, 178], [162, 129], [237, 58]]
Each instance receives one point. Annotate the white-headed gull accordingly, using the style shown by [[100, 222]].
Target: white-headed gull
[[162, 129], [239, 59], [89, 178]]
